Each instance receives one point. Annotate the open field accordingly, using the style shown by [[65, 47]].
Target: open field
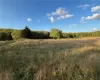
[[66, 59]]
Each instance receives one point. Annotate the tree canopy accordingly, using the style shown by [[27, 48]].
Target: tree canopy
[[55, 33], [11, 34], [26, 33]]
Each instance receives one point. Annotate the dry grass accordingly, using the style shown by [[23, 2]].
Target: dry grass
[[63, 59]]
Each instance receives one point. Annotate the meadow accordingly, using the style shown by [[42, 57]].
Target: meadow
[[50, 59]]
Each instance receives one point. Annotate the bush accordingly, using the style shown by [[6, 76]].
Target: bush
[[16, 34], [8, 36], [2, 35], [5, 36]]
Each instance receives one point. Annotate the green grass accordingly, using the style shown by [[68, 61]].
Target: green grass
[[75, 59]]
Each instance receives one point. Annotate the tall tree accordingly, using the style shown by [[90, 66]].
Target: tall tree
[[26, 33]]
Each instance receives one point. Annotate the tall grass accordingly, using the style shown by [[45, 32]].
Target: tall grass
[[50, 60]]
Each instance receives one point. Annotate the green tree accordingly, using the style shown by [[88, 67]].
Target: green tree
[[55, 33], [16, 34], [26, 33]]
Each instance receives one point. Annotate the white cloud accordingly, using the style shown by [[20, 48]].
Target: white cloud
[[82, 20], [60, 13], [95, 16], [95, 9], [51, 19], [84, 6], [72, 25], [64, 16], [29, 20], [94, 29]]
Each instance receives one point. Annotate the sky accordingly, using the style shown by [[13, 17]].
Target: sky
[[66, 15]]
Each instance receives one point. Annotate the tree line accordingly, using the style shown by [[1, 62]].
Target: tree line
[[11, 34]]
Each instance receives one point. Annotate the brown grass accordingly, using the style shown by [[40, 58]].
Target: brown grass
[[61, 59]]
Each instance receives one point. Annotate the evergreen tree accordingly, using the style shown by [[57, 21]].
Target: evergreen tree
[[26, 33]]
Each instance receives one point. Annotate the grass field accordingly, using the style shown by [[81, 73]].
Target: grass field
[[63, 59]]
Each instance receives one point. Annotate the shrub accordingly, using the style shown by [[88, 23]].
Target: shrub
[[8, 36], [5, 36], [2, 35]]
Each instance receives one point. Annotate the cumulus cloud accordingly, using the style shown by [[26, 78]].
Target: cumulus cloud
[[95, 16], [60, 13], [51, 19], [29, 20], [95, 9], [84, 6]]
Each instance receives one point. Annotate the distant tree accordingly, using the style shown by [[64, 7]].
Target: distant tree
[[26, 33], [55, 33]]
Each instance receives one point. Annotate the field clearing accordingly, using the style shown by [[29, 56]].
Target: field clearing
[[61, 59]]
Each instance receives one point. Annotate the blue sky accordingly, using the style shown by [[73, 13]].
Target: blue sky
[[67, 15]]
